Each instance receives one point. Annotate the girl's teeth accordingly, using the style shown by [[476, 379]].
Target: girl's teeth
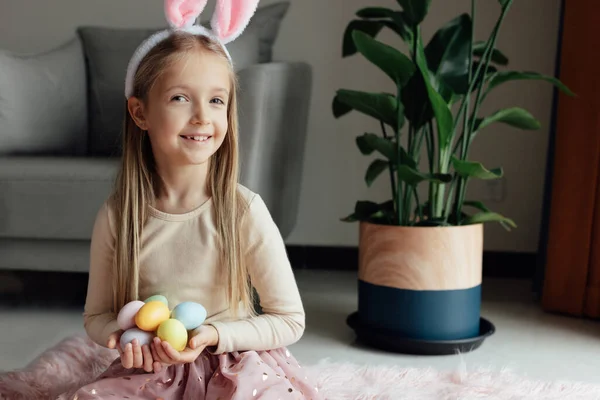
[[197, 138]]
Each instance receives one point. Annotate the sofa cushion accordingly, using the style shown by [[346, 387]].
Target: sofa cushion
[[43, 102], [52, 197], [268, 20], [108, 51]]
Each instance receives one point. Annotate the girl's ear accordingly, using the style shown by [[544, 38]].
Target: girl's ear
[[231, 18], [135, 108], [183, 13]]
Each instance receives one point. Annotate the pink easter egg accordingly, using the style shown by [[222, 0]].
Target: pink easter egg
[[126, 317]]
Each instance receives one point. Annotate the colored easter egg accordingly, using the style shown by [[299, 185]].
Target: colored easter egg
[[150, 316], [173, 332], [126, 317], [191, 314], [135, 333], [157, 297]]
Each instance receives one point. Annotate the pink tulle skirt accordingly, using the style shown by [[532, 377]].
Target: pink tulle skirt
[[266, 375]]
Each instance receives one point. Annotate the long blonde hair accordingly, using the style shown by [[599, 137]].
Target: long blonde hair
[[137, 184]]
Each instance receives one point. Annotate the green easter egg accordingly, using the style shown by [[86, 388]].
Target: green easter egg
[[157, 297]]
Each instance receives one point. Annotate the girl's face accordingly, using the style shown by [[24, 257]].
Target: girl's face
[[186, 111]]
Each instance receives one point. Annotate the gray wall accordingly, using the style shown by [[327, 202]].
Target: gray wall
[[334, 170]]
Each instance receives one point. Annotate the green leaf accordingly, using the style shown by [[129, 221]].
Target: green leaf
[[414, 177], [382, 213], [374, 170], [362, 211], [470, 169], [406, 159], [415, 10], [480, 206], [497, 56], [490, 72], [381, 106], [488, 216], [371, 28], [443, 116], [447, 53], [514, 116], [443, 56], [395, 20], [370, 142], [414, 97], [402, 30], [395, 64], [505, 76], [339, 109]]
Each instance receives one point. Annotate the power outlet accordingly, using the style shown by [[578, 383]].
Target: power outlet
[[496, 190]]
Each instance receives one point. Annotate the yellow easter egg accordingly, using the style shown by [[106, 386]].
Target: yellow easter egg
[[151, 315], [173, 332]]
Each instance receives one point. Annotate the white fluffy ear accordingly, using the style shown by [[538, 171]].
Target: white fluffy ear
[[231, 18], [183, 13]]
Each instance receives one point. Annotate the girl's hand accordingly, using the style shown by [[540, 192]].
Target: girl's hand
[[162, 351], [132, 356]]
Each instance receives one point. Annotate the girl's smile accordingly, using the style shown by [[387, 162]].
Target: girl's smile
[[196, 138]]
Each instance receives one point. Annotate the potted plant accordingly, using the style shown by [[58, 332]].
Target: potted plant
[[420, 257]]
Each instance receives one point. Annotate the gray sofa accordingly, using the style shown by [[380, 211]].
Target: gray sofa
[[60, 115]]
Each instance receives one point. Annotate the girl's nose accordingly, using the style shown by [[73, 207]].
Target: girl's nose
[[200, 117]]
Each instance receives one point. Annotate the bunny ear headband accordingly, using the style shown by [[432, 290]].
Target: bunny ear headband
[[228, 22]]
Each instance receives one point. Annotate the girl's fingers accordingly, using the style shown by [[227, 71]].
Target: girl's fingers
[[138, 358], [120, 350], [127, 358], [162, 355], [171, 352], [153, 351], [147, 358], [157, 366]]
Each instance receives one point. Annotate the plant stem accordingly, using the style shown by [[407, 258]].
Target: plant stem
[[467, 136], [391, 168], [449, 199], [432, 186], [470, 77], [429, 143], [419, 205], [463, 154], [486, 63], [419, 145], [408, 188], [486, 52], [411, 134], [399, 208]]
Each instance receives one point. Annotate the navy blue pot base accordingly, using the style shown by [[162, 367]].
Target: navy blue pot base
[[388, 340], [421, 314]]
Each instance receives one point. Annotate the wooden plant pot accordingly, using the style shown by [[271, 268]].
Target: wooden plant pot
[[422, 283]]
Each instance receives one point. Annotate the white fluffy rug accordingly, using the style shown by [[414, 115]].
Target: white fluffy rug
[[76, 360]]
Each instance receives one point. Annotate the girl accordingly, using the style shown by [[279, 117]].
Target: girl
[[178, 224]]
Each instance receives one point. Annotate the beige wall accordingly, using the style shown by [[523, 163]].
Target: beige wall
[[334, 170]]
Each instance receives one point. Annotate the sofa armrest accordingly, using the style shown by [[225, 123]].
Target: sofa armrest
[[273, 117]]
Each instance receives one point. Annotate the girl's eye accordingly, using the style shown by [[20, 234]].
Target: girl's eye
[[178, 98], [218, 100]]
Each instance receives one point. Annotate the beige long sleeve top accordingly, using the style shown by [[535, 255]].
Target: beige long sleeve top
[[179, 259]]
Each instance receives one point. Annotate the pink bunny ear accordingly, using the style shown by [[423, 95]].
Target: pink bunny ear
[[231, 18], [183, 13]]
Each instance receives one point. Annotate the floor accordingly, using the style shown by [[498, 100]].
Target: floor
[[527, 340]]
